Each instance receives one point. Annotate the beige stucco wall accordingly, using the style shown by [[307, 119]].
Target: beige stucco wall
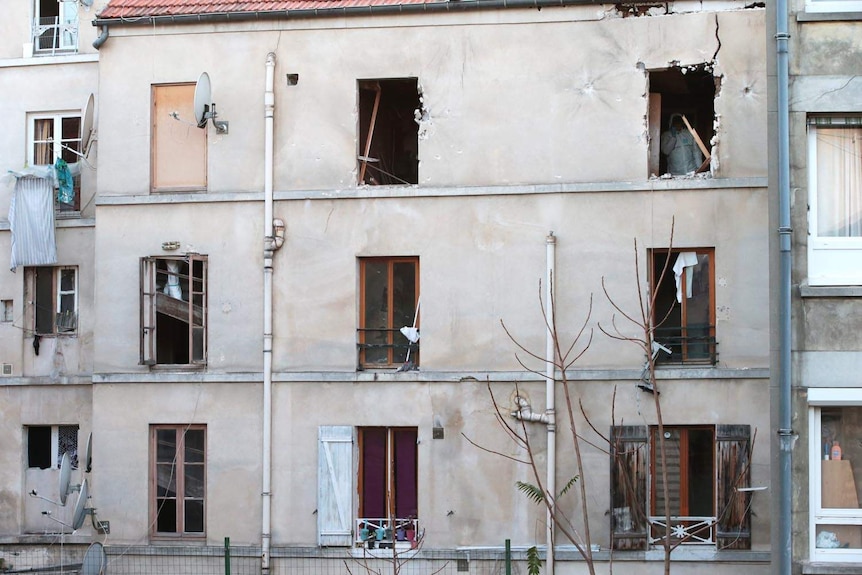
[[501, 108]]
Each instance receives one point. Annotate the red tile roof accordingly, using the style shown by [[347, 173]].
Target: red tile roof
[[145, 8]]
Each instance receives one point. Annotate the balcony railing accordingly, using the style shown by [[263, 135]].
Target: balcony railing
[[684, 530], [385, 533], [694, 344], [50, 35], [374, 348]]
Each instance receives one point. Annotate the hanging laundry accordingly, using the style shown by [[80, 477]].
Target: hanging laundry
[[65, 184], [31, 220]]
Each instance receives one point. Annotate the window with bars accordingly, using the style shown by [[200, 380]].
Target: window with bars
[[389, 301], [178, 480], [46, 445], [55, 27]]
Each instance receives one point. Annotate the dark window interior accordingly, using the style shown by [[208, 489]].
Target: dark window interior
[[39, 446], [388, 132]]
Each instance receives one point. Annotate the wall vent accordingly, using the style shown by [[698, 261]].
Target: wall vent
[[6, 369]]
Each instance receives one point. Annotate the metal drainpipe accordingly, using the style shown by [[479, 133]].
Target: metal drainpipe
[[550, 388], [785, 262], [269, 247]]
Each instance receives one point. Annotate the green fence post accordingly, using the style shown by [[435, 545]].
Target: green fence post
[[227, 556], [508, 557]]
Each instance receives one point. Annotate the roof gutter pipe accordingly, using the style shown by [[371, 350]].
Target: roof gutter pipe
[[425, 7], [103, 37], [785, 433], [270, 244], [550, 399]]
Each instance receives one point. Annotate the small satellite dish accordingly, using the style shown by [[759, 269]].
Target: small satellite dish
[[95, 560], [87, 123], [88, 454], [80, 511], [65, 477], [204, 107]]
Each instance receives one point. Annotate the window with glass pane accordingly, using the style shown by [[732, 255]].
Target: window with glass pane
[[179, 479], [389, 298], [55, 299], [684, 312], [58, 136]]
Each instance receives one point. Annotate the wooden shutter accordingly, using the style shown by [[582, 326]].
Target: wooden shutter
[[148, 311], [629, 468], [335, 486], [733, 470]]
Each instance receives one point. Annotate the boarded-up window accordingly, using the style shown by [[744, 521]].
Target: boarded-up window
[[179, 147], [335, 485]]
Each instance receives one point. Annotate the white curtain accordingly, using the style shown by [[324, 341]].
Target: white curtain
[[839, 182], [31, 220]]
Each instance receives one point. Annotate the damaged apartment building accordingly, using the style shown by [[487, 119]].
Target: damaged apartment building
[[300, 227]]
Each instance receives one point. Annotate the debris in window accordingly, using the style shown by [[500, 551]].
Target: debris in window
[[390, 113]]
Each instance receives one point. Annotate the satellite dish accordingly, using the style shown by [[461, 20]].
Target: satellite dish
[[203, 99], [88, 454], [204, 107], [65, 477], [80, 512], [95, 560], [87, 115]]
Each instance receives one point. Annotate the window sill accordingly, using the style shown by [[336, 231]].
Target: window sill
[[808, 291], [177, 367], [829, 568], [827, 16]]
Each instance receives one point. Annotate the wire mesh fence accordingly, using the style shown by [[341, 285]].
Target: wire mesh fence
[[192, 560]]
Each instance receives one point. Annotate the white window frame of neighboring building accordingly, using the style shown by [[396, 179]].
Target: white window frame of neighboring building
[[831, 260], [818, 398], [65, 28], [833, 5]]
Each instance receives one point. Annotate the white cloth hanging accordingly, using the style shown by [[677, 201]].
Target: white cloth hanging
[[685, 260], [31, 220]]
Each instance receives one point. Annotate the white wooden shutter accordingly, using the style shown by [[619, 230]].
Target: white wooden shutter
[[335, 486]]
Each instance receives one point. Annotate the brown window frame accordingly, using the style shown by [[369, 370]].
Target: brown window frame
[[177, 473], [62, 323], [194, 310], [687, 347], [394, 340]]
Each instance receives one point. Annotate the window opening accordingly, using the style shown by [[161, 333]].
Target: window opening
[[46, 445], [684, 312], [8, 311], [388, 132], [53, 138], [388, 488], [179, 479], [55, 299], [55, 27], [173, 310], [389, 301], [681, 118]]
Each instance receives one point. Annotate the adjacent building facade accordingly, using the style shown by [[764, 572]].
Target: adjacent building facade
[[825, 134], [310, 220]]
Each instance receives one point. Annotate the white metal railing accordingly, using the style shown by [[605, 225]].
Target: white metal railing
[[383, 533], [50, 35], [687, 530]]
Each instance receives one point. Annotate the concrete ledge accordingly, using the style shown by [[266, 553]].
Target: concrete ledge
[[827, 17], [807, 291], [824, 568], [49, 60], [365, 192]]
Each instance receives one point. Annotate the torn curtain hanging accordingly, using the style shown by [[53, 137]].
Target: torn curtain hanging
[[31, 219]]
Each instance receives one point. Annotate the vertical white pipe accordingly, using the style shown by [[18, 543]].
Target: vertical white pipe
[[268, 249], [550, 388]]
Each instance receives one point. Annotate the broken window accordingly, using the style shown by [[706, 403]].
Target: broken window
[[52, 137], [684, 312], [178, 475], [53, 294], [179, 147], [389, 298], [55, 26], [173, 310], [681, 116], [708, 473], [46, 445], [388, 132]]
